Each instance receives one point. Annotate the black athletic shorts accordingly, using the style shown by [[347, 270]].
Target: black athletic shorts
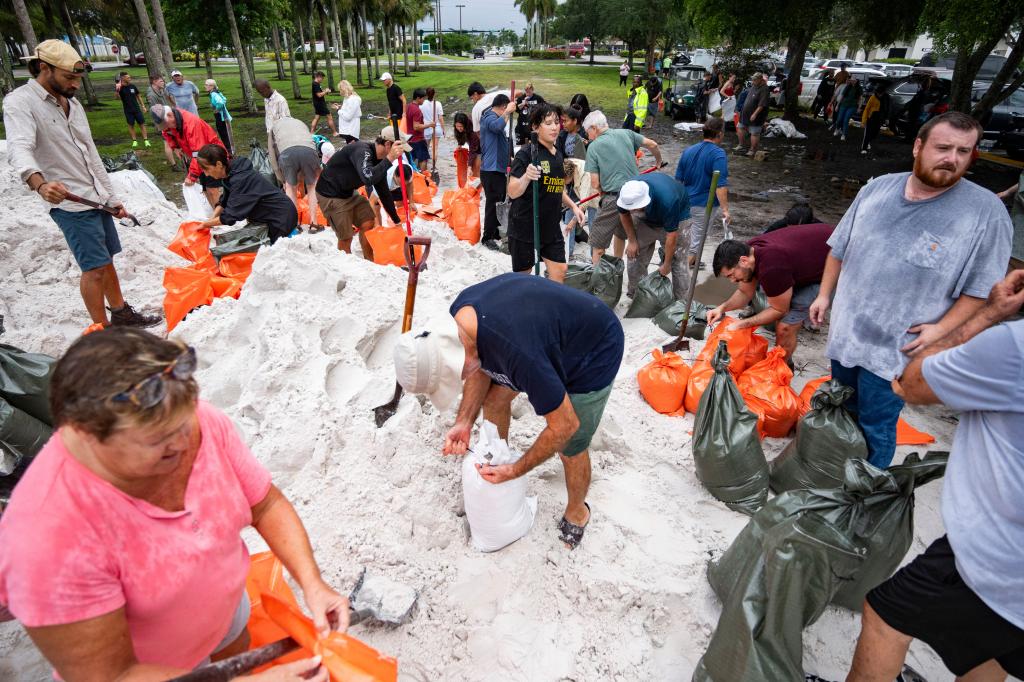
[[928, 600], [524, 256], [134, 116]]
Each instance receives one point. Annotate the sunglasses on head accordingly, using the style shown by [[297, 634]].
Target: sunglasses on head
[[153, 389]]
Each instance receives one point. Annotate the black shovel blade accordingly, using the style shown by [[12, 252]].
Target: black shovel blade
[[435, 177], [386, 411], [676, 345]]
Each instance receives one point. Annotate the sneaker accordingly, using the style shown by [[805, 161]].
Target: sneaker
[[835, 134], [491, 244], [135, 144], [128, 317], [750, 152], [146, 143], [869, 147], [842, 138], [738, 148]]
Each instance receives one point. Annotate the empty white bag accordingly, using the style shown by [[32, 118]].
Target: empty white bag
[[196, 203], [501, 513]]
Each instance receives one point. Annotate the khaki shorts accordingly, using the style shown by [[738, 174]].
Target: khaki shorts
[[607, 224], [342, 214]]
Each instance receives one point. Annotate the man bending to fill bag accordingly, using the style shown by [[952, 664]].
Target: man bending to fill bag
[[518, 333]]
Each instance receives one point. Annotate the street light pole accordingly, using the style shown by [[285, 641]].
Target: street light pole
[[460, 17]]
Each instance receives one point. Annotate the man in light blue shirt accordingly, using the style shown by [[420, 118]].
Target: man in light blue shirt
[[185, 93], [964, 596], [695, 168]]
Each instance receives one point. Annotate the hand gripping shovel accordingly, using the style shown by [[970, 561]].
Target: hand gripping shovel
[[127, 221], [504, 207], [680, 343], [374, 599]]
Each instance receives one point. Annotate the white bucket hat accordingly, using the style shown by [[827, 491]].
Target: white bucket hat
[[634, 195], [430, 362]]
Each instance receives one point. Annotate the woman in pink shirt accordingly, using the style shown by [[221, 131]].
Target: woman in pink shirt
[[120, 551]]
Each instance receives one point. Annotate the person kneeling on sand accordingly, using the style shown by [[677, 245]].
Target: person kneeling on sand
[[247, 195], [358, 164], [136, 569], [518, 333]]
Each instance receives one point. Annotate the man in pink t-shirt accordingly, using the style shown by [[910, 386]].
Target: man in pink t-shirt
[[414, 126], [120, 551]]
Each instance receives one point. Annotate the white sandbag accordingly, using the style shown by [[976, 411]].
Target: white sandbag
[[498, 513], [728, 108], [688, 126], [131, 183], [780, 126], [714, 102], [196, 204]]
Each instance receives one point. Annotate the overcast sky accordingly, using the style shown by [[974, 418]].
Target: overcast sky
[[479, 14]]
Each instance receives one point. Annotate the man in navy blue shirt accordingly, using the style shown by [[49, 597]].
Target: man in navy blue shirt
[[651, 209], [515, 334], [494, 160], [696, 166]]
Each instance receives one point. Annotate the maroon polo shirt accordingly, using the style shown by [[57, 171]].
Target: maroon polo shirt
[[791, 257]]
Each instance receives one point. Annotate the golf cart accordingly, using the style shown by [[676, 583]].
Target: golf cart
[[680, 100]]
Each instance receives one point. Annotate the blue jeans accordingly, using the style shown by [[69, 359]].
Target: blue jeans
[[876, 408], [845, 114]]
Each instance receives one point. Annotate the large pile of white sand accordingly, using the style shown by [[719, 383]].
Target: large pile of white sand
[[300, 361]]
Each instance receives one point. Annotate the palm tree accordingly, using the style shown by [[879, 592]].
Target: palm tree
[[69, 28], [291, 67], [150, 45], [276, 40], [161, 33], [529, 9], [243, 69], [25, 23]]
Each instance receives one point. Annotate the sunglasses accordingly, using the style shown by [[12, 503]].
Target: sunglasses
[[153, 389]]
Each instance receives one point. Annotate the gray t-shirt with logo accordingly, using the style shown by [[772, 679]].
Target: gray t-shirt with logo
[[906, 263], [984, 486]]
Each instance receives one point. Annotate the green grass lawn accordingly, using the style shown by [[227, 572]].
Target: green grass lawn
[[555, 82]]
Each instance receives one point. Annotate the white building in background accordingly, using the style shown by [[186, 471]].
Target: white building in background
[[915, 48]]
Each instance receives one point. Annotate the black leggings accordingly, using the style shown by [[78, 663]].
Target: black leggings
[[871, 130], [622, 79], [493, 183], [224, 133]]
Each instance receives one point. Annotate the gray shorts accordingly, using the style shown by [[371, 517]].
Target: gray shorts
[[239, 621], [800, 304], [91, 236], [296, 160], [753, 130], [607, 223]]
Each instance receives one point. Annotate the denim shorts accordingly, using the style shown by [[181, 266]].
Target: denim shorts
[[800, 304], [589, 409], [90, 235]]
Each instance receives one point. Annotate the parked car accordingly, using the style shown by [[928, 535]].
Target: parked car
[[576, 49], [902, 93], [1013, 140], [836, 63], [479, 53], [1006, 117], [680, 101], [810, 83]]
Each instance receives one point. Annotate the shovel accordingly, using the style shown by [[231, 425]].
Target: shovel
[[680, 343], [649, 170], [435, 177], [374, 599], [127, 221], [503, 207]]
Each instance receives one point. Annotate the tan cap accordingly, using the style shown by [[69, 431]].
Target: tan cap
[[388, 134], [60, 54]]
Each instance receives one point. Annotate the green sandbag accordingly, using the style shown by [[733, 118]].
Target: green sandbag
[[260, 160], [246, 239], [577, 276], [671, 318], [759, 303], [774, 580], [653, 293], [826, 437], [803, 550], [25, 381], [606, 280], [21, 436], [726, 447]]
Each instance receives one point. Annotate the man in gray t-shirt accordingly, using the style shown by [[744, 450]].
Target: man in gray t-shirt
[[754, 113], [915, 255], [184, 92], [964, 596]]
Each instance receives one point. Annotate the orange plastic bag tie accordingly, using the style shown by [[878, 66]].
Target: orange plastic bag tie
[[808, 390], [461, 166], [388, 244], [191, 242], [345, 657], [186, 289], [766, 390], [663, 381]]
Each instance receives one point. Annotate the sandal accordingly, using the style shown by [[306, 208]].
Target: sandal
[[570, 533]]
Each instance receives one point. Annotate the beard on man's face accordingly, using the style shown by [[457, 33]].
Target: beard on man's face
[[63, 89], [939, 176]]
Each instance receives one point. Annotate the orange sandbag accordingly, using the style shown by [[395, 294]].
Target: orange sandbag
[[237, 265], [207, 264], [192, 242], [462, 165], [905, 433], [421, 189], [766, 390], [266, 576], [345, 657], [186, 289], [663, 381], [745, 347], [464, 218], [696, 384], [388, 244], [225, 287]]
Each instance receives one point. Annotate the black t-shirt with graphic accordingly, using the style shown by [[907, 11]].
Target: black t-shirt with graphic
[[319, 103], [395, 100], [550, 184], [130, 97]]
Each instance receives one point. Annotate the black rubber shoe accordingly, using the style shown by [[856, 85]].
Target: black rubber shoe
[[128, 317], [491, 244]]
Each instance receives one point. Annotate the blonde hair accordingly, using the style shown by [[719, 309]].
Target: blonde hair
[[345, 88], [210, 81]]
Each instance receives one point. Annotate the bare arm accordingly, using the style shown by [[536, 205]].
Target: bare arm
[[828, 286], [778, 306], [562, 423], [671, 238], [595, 183], [722, 193], [474, 390], [653, 148], [626, 220], [959, 313], [741, 297], [518, 186]]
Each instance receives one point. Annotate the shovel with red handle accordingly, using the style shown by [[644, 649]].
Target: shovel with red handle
[[112, 211]]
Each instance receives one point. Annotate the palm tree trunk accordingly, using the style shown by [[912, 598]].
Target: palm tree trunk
[[336, 28], [302, 43], [405, 52], [243, 69], [161, 32], [25, 24], [291, 67], [312, 35], [277, 51], [69, 29], [356, 41], [154, 56], [250, 63], [415, 48], [6, 70], [209, 64], [327, 51], [376, 50]]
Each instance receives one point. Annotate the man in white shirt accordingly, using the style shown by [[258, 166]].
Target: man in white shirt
[[433, 118], [275, 107]]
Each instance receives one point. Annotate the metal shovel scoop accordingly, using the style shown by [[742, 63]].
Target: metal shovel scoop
[[127, 221], [374, 598]]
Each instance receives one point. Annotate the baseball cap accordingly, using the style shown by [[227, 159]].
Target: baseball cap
[[430, 362], [159, 112], [386, 76], [388, 134], [633, 195], [175, 73], [59, 54]]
